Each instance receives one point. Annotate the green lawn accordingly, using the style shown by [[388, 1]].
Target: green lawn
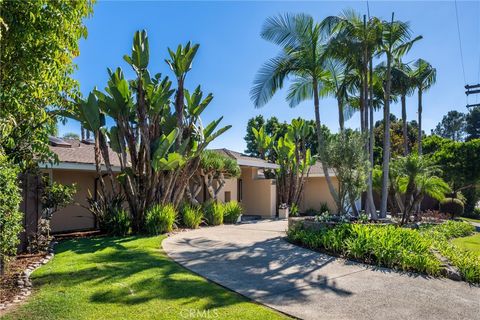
[[128, 278], [471, 243], [470, 219]]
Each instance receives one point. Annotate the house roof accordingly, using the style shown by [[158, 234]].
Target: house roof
[[317, 170], [244, 160], [71, 152]]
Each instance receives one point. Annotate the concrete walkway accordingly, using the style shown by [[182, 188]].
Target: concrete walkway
[[254, 260]]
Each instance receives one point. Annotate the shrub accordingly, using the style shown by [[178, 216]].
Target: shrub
[[112, 218], [214, 213], [452, 206], [387, 246], [10, 216], [310, 212], [324, 208], [293, 210], [232, 211], [192, 216], [160, 219]]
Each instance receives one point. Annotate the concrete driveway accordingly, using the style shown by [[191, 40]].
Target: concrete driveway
[[255, 261]]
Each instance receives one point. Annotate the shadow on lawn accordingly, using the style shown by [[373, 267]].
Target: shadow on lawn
[[130, 273]]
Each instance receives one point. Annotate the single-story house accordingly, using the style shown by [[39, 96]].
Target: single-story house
[[252, 190], [76, 165]]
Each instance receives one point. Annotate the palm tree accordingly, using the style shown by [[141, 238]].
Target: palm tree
[[413, 177], [403, 85], [354, 41], [424, 77], [302, 59], [395, 43], [339, 81]]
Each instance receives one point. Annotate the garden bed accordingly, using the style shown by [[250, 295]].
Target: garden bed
[[417, 250]]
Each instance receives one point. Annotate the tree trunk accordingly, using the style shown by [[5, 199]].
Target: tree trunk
[[404, 125], [420, 121], [370, 202], [341, 119], [179, 101], [321, 140], [386, 140]]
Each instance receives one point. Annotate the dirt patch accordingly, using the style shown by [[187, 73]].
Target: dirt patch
[[9, 281]]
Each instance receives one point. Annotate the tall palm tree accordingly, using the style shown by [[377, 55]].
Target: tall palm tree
[[396, 42], [403, 85], [424, 77], [354, 41], [302, 59], [339, 80]]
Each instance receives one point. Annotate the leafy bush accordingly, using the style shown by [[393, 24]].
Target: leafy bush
[[324, 208], [452, 206], [387, 246], [294, 211], [112, 218], [467, 262], [192, 216], [214, 213], [310, 212], [160, 219], [232, 211], [10, 216]]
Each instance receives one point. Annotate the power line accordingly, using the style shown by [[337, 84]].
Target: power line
[[460, 43]]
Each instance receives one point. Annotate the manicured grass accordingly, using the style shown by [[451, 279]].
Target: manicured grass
[[471, 243], [128, 278], [470, 219]]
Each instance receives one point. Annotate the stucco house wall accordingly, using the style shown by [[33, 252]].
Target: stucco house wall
[[74, 216], [258, 194], [316, 192]]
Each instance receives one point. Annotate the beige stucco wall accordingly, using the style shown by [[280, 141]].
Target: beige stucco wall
[[74, 217], [259, 194], [316, 192], [231, 185]]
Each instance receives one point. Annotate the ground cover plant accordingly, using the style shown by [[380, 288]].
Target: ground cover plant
[[127, 278], [395, 247]]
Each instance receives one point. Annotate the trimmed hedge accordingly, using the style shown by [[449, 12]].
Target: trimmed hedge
[[10, 216]]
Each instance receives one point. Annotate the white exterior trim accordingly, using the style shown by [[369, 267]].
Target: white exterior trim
[[76, 166]]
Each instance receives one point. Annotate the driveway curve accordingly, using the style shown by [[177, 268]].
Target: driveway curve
[[254, 260]]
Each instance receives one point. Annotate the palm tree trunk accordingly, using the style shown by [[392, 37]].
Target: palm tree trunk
[[371, 203], [420, 121], [404, 124], [320, 139], [386, 141], [341, 119]]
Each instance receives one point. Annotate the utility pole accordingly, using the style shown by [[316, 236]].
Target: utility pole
[[472, 89]]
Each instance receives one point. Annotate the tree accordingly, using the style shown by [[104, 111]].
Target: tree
[[156, 166], [293, 156], [460, 164], [424, 77], [302, 59], [452, 126], [213, 170], [71, 135], [395, 43], [473, 124], [346, 155], [39, 40], [413, 177], [402, 84]]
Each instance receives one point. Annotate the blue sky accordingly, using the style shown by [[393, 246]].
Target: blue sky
[[231, 51]]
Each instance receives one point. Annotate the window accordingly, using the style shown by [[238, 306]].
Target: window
[[228, 196], [239, 190]]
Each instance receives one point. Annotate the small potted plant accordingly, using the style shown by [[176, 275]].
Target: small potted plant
[[283, 211]]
